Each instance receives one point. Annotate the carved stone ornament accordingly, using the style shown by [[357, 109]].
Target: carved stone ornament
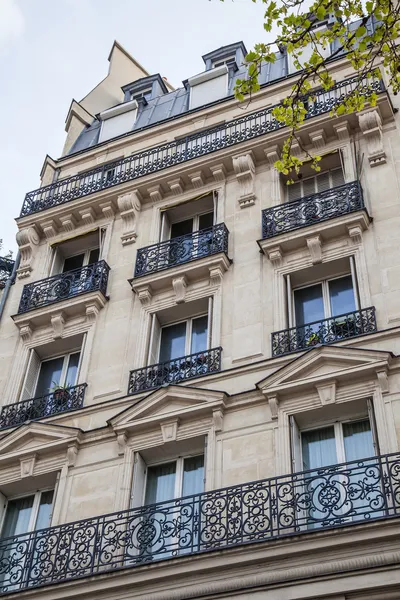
[[27, 240], [72, 453], [273, 402], [26, 332], [129, 206], [68, 222], [49, 229], [169, 430], [219, 172], [275, 255], [245, 172], [197, 179], [383, 381], [107, 209], [88, 215], [27, 465], [218, 420], [145, 294], [327, 392], [121, 441], [315, 247], [371, 126], [155, 192], [179, 284], [57, 323], [176, 186]]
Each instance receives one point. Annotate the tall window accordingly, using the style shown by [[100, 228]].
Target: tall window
[[317, 183], [27, 513], [81, 260], [183, 338], [44, 376], [181, 477]]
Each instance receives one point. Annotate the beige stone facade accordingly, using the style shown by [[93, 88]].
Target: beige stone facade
[[249, 526]]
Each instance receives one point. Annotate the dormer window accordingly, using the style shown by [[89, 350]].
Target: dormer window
[[224, 61], [146, 94]]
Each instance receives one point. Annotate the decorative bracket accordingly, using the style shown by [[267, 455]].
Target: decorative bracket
[[315, 247], [218, 419], [176, 186], [121, 441], [371, 126], [197, 179], [169, 430], [26, 332], [327, 392], [145, 295], [273, 401], [27, 465], [155, 192], [68, 222], [27, 239], [219, 172], [129, 206], [49, 229], [179, 284], [275, 255], [72, 453], [245, 173], [57, 323], [88, 215], [318, 139], [383, 381], [355, 233]]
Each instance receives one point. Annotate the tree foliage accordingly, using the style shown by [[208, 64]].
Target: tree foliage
[[366, 32]]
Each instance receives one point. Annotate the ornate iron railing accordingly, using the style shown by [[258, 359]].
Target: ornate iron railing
[[340, 495], [174, 371], [325, 331], [182, 249], [65, 285], [59, 401], [312, 209], [173, 153], [6, 268]]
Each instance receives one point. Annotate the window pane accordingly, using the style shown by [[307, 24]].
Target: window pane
[[94, 256], [309, 304], [72, 369], [193, 475], [44, 512], [173, 342], [181, 228], [73, 262], [199, 334], [206, 221], [160, 483], [17, 516], [358, 441], [49, 376], [319, 448], [342, 295]]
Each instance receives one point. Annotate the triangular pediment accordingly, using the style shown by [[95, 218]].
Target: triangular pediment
[[167, 402], [323, 364], [35, 437]]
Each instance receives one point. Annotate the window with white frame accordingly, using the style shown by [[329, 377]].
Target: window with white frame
[[27, 513], [324, 291], [78, 252], [49, 370], [172, 337], [316, 183], [223, 61], [146, 94], [186, 218]]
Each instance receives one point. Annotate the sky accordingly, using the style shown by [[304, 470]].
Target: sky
[[54, 50]]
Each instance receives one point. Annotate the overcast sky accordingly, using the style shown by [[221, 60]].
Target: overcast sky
[[54, 50]]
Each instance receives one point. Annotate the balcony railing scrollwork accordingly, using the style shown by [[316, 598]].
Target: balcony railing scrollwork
[[325, 331], [315, 208], [175, 370], [182, 249], [59, 401], [339, 495], [177, 152], [66, 285]]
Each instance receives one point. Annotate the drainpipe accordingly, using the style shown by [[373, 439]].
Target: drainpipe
[[9, 283]]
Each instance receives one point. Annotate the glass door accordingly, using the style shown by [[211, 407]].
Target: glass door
[[181, 250], [309, 308]]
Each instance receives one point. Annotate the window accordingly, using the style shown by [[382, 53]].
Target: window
[[28, 513], [318, 183], [78, 252], [146, 94], [223, 61], [181, 477], [181, 339]]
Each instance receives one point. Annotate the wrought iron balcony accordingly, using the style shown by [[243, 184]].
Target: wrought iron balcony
[[174, 371], [177, 152], [312, 209], [66, 285], [340, 495], [6, 268], [325, 331], [183, 249], [59, 401]]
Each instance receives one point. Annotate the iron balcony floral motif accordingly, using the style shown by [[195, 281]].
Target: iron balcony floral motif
[[66, 285], [6, 268], [174, 371], [177, 152], [182, 249], [315, 208], [59, 401], [325, 331], [330, 497]]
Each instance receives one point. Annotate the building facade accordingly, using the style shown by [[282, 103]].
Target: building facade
[[200, 382]]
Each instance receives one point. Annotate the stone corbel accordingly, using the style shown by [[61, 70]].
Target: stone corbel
[[318, 139], [342, 131], [49, 229], [383, 381], [92, 310], [27, 465], [169, 430], [155, 192], [218, 419], [219, 172], [315, 248], [355, 234], [88, 215], [216, 275], [129, 206], [327, 392], [371, 126], [26, 333], [176, 186], [275, 255], [121, 441], [197, 179], [245, 173], [27, 240], [273, 401], [179, 284], [272, 155], [145, 294], [107, 209], [72, 453], [68, 222], [58, 323]]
